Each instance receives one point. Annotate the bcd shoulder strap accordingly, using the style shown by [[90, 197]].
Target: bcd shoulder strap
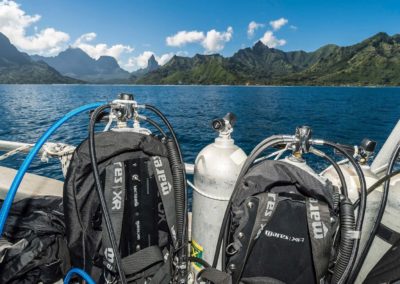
[[319, 227], [162, 172], [115, 200], [263, 207]]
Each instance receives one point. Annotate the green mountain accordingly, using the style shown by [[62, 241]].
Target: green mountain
[[75, 63], [374, 61], [18, 68]]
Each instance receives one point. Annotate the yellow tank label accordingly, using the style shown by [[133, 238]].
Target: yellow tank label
[[196, 251]]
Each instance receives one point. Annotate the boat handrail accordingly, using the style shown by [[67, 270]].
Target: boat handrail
[[49, 149]]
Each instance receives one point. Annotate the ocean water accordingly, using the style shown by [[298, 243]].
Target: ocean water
[[342, 114]]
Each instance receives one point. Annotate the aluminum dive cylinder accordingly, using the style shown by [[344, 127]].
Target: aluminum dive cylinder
[[216, 169]]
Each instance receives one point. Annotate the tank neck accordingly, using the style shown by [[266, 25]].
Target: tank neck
[[224, 142]]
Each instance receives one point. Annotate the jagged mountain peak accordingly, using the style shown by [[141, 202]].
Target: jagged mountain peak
[[260, 45], [152, 63]]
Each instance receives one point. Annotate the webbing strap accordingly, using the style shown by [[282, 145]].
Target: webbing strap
[[142, 259], [388, 235], [157, 273], [267, 205], [214, 276], [163, 274], [319, 228], [114, 194], [163, 176]]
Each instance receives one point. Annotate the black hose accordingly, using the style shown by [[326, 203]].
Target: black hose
[[361, 213], [181, 204], [100, 193], [338, 171], [377, 184], [336, 199], [379, 217], [178, 184], [155, 124], [198, 260], [347, 225]]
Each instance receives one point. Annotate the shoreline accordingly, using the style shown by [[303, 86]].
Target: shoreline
[[207, 85]]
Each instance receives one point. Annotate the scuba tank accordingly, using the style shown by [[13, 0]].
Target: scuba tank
[[215, 172]]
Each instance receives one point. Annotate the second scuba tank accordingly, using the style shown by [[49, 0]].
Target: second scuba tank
[[216, 169]]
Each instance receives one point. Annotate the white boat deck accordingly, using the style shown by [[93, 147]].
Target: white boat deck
[[32, 185]]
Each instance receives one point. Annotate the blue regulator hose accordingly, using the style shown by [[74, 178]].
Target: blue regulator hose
[[79, 272], [28, 160]]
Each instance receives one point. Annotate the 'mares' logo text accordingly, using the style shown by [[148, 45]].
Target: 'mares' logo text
[[318, 227], [166, 187], [109, 255]]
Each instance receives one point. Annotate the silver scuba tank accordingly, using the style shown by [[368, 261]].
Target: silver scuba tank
[[216, 169]]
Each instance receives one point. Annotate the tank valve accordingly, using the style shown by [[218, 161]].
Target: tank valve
[[303, 136], [362, 153], [224, 125], [125, 107]]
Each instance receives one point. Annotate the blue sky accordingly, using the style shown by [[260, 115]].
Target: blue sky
[[132, 30]]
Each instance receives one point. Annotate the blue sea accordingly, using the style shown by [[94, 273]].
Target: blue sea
[[342, 114]]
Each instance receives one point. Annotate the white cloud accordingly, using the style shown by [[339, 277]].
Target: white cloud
[[253, 26], [163, 59], [140, 61], [213, 41], [271, 41], [85, 38], [277, 24], [14, 23], [292, 27], [97, 50], [184, 37]]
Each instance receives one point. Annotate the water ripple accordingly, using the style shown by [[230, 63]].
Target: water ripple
[[346, 115]]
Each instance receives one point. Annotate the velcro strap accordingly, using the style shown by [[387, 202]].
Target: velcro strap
[[353, 235], [214, 276], [142, 259]]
